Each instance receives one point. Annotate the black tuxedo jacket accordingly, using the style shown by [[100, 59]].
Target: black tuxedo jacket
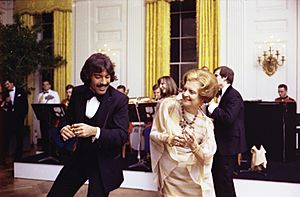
[[20, 106], [229, 123], [113, 121]]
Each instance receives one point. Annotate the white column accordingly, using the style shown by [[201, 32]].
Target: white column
[[232, 45], [136, 48]]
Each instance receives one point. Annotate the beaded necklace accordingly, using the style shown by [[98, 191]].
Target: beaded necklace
[[184, 123]]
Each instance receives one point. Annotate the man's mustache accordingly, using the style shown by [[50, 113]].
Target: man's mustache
[[101, 85]]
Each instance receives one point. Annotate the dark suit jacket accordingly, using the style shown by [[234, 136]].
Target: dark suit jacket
[[229, 123], [113, 121], [19, 109], [21, 103]]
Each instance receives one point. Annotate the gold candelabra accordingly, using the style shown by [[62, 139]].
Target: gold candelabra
[[270, 61]]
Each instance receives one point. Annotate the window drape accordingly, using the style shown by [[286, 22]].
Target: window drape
[[42, 6], [157, 41], [62, 47], [208, 33], [158, 37]]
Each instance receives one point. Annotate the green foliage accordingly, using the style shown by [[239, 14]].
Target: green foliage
[[22, 54]]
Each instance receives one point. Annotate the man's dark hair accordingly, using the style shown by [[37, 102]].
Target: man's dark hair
[[155, 86], [97, 63], [226, 72], [69, 86], [9, 79], [122, 87], [283, 86], [47, 80]]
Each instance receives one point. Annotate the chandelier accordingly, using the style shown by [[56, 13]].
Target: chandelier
[[270, 59], [106, 50]]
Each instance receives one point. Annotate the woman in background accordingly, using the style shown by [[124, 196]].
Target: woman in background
[[182, 142], [167, 86]]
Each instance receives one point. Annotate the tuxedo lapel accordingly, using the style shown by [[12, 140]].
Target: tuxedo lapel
[[104, 109], [225, 95], [82, 106]]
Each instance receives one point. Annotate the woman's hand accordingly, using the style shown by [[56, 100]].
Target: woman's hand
[[189, 138], [177, 141]]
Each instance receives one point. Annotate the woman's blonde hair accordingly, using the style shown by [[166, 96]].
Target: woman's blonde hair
[[208, 85]]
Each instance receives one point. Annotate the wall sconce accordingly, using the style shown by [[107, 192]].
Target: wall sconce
[[270, 61]]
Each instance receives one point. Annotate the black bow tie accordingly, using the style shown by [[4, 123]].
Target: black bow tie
[[45, 92], [219, 93], [92, 94]]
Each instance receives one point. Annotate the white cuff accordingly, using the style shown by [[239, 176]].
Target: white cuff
[[97, 134], [212, 106]]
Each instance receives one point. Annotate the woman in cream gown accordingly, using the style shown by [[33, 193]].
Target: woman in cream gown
[[182, 142]]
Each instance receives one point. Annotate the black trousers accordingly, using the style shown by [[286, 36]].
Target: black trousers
[[74, 174], [14, 129], [222, 171], [44, 127]]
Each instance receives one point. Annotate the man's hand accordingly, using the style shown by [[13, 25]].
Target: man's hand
[[67, 132], [49, 97], [212, 106], [84, 130]]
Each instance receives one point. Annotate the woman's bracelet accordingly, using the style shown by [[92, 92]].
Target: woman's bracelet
[[169, 140]]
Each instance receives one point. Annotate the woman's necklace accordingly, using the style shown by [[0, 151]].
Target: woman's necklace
[[184, 123]]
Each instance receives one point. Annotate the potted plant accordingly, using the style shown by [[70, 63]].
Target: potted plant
[[21, 53]]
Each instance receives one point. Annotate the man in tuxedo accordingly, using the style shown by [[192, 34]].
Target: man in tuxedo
[[98, 117], [228, 118], [16, 107], [47, 96]]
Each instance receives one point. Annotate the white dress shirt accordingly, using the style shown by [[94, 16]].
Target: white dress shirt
[[213, 105], [12, 95], [49, 97], [92, 106]]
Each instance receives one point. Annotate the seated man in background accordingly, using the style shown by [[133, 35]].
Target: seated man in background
[[69, 89], [283, 96], [156, 92], [122, 88], [64, 148]]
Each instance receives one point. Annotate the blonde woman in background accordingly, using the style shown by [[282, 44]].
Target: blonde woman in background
[[182, 142]]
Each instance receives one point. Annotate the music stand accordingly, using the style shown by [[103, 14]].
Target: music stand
[[48, 112], [141, 112]]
